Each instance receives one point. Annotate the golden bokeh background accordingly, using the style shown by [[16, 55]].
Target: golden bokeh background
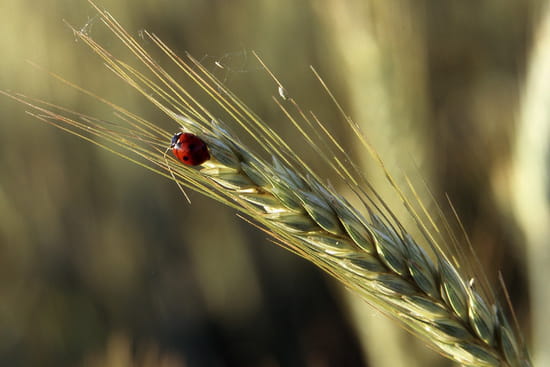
[[104, 264]]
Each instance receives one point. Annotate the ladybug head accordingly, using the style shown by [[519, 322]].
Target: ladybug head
[[175, 139]]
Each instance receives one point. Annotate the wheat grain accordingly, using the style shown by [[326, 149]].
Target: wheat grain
[[371, 254]]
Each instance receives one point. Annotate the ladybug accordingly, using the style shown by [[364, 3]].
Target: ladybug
[[189, 149]]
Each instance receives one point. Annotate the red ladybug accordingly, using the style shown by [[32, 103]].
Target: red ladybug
[[189, 149]]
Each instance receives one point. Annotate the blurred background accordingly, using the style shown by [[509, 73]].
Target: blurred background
[[103, 263]]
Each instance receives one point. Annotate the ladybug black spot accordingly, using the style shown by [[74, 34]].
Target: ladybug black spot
[[185, 158]]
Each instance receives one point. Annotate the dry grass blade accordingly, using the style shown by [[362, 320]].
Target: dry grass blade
[[371, 253]]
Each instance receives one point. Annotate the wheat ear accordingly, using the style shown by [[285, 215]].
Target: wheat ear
[[384, 265], [371, 254]]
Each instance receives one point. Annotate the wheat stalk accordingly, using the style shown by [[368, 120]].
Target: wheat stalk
[[371, 254]]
